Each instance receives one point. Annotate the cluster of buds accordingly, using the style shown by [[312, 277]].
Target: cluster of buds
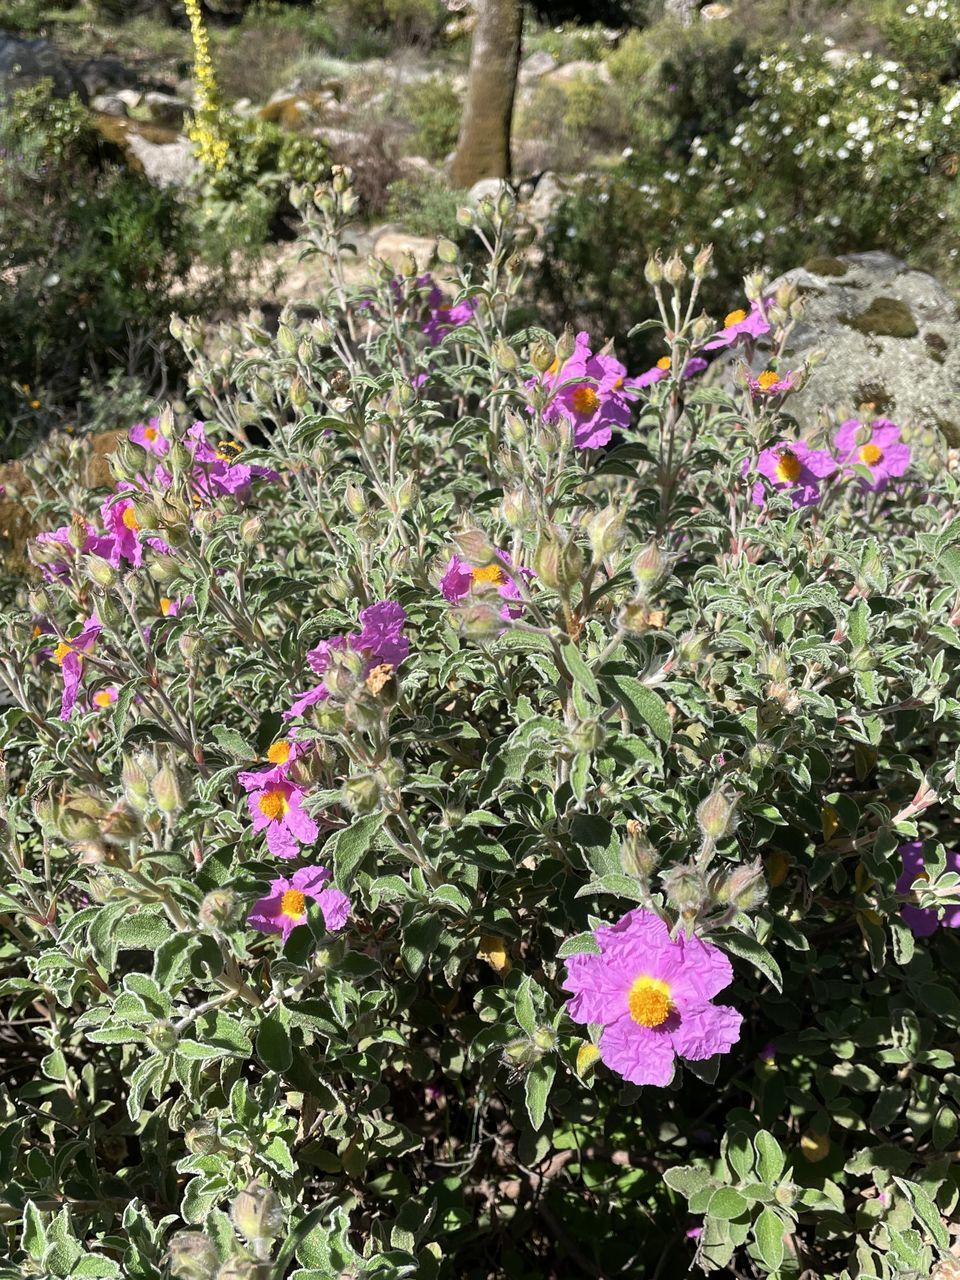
[[526, 1051], [558, 561]]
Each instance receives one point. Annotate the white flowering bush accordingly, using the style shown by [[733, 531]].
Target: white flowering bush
[[472, 809]]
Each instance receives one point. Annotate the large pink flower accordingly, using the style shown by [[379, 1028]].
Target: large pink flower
[[461, 578], [149, 436], [739, 326], [794, 467], [770, 383], [285, 906], [693, 366], [595, 402], [882, 452], [923, 921], [276, 805], [69, 655], [94, 544], [446, 315], [652, 994], [217, 471]]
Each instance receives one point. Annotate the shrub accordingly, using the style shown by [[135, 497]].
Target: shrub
[[25, 16], [426, 207], [492, 647], [434, 109]]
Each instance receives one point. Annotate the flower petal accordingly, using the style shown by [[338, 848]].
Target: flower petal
[[639, 1054], [706, 1030], [335, 908]]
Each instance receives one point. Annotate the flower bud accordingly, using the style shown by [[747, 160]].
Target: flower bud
[[79, 817], [299, 395], [504, 355], [191, 645], [653, 270], [545, 1038], [100, 571], [163, 1035], [137, 773], [121, 824], [717, 814], [127, 460], [541, 355], [202, 1139], [685, 887], [692, 648], [166, 789], [251, 531], [77, 532], [674, 271], [753, 285], [191, 1256], [219, 910], [447, 251], [606, 530], [515, 429], [408, 266], [745, 887], [786, 1193], [649, 567], [558, 562], [355, 501], [473, 546], [286, 339], [256, 1213], [404, 495], [477, 620], [464, 217], [702, 327], [518, 508], [701, 262], [586, 737], [566, 345], [521, 1053], [361, 795], [637, 858]]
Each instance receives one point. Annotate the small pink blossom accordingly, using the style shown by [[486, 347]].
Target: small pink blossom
[[69, 654], [381, 640], [445, 315], [591, 393], [739, 326], [770, 383], [882, 452], [285, 906], [276, 805], [693, 366], [652, 994], [460, 579], [149, 436], [793, 467]]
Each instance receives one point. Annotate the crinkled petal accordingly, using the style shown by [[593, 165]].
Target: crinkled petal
[[281, 841], [599, 988], [309, 879], [457, 580], [705, 1030], [299, 823], [265, 914], [699, 971], [335, 908], [641, 1055]]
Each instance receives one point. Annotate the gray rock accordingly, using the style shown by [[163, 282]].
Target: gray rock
[[892, 338], [23, 62], [582, 69], [546, 196], [166, 164], [131, 98], [538, 64], [492, 187], [109, 104], [165, 108]]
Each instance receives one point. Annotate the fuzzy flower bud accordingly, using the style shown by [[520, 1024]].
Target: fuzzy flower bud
[[606, 530], [586, 737], [649, 567], [675, 270], [702, 327], [701, 262], [191, 1256], [219, 910], [753, 285], [685, 887], [356, 502], [100, 571], [505, 355], [77, 534], [256, 1213], [163, 1035], [637, 858], [517, 508], [361, 795], [475, 547], [566, 345], [557, 562], [80, 817], [541, 355], [745, 888], [653, 270], [166, 789], [514, 428], [447, 251], [477, 620], [717, 814]]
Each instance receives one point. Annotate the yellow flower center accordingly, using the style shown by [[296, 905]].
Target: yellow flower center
[[273, 804], [585, 401], [769, 378], [103, 698], [492, 574], [871, 454], [61, 651], [788, 468], [166, 604], [150, 433], [292, 904], [735, 317], [279, 753], [649, 1002], [664, 363], [129, 519]]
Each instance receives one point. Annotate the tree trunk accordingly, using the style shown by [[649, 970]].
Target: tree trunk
[[483, 150]]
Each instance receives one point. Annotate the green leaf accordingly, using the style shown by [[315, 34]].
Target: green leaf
[[420, 940], [233, 743], [34, 1239], [771, 1161], [537, 1090], [348, 847], [580, 944], [273, 1042], [726, 1203], [688, 1179], [576, 664], [949, 565], [747, 948], [524, 1007], [768, 1232], [96, 1266], [644, 707], [926, 1211]]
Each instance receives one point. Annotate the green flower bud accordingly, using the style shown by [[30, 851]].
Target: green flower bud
[[287, 339], [653, 270], [393, 773], [753, 285], [566, 345], [541, 355], [166, 789], [702, 327], [701, 262], [361, 794], [220, 910], [545, 1039], [685, 887], [408, 266], [587, 737], [717, 814], [674, 270], [203, 1139], [256, 1213], [475, 547], [606, 530], [649, 567], [515, 429], [355, 501], [100, 571], [518, 509], [558, 562], [447, 251], [505, 355], [477, 620], [137, 773], [745, 887], [77, 534], [464, 217], [121, 824], [163, 1035], [80, 817], [191, 1256]]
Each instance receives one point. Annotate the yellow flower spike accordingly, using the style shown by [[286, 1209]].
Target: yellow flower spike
[[213, 150], [493, 950], [588, 1055]]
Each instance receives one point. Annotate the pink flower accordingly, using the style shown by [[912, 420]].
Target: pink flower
[[769, 383], [695, 365], [121, 523], [923, 921], [285, 906], [149, 436], [69, 655], [596, 402], [460, 579], [379, 642], [105, 697], [795, 467], [95, 544], [276, 805], [652, 994], [739, 326], [217, 471], [882, 452], [445, 315]]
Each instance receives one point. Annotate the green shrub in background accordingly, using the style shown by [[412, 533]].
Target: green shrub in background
[[777, 155], [434, 109], [329, 762], [427, 207]]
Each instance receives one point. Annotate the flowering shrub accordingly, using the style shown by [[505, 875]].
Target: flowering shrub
[[467, 813]]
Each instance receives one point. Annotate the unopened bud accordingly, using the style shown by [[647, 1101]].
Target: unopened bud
[[701, 262], [518, 508], [753, 285], [685, 887], [477, 620], [408, 266], [355, 501], [251, 531], [515, 429], [717, 814], [361, 795], [447, 251], [745, 887], [127, 460], [100, 571], [464, 217], [606, 530], [191, 1256], [77, 532], [702, 327], [80, 817], [541, 355], [473, 546], [566, 345], [256, 1213], [166, 789], [505, 355], [653, 270], [674, 270], [586, 737], [219, 909], [558, 562], [121, 823], [545, 1038], [137, 772], [163, 1035], [649, 567]]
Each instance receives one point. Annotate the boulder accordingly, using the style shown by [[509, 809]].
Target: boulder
[[108, 104], [393, 247], [166, 164], [892, 338], [582, 69], [542, 203], [487, 187], [538, 64], [131, 98], [165, 108], [24, 62]]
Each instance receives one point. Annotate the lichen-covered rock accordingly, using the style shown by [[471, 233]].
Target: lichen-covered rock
[[892, 339]]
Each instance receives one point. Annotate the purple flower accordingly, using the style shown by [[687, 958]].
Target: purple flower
[[923, 921], [596, 400], [285, 906], [69, 655], [769, 383], [794, 467], [122, 527], [276, 805], [882, 452], [739, 326], [217, 471], [695, 365], [652, 994], [94, 544], [460, 579], [379, 642], [149, 436], [445, 315]]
